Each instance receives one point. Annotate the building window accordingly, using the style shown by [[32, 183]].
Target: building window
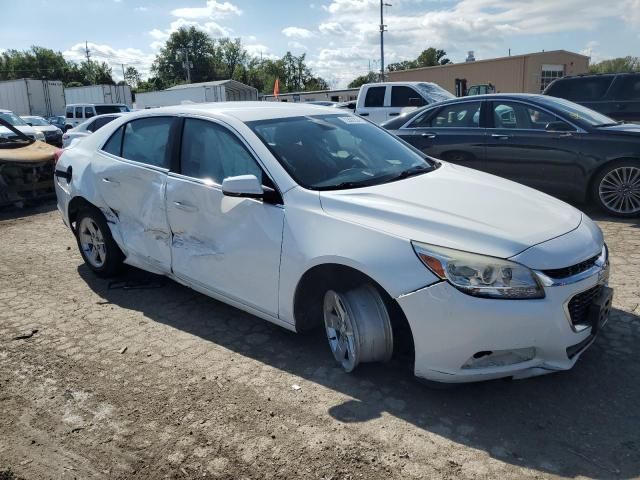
[[549, 74]]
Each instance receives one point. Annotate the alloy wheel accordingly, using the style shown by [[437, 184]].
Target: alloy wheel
[[92, 242], [619, 190]]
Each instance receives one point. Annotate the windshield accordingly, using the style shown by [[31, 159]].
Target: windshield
[[12, 118], [578, 112], [327, 152], [433, 92], [36, 121], [102, 109]]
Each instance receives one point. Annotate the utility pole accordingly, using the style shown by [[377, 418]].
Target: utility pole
[[186, 64], [124, 77], [86, 50], [382, 30]]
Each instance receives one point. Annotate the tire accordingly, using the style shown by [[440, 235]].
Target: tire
[[616, 189], [358, 326], [97, 247]]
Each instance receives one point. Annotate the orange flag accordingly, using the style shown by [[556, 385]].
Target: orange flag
[[276, 88]]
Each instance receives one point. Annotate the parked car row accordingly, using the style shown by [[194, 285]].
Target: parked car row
[[548, 143]]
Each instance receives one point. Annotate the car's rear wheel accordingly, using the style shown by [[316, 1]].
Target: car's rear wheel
[[358, 326], [617, 189], [97, 247]]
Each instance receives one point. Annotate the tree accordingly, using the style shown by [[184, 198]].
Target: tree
[[132, 76], [357, 82], [616, 65], [428, 58], [232, 54], [170, 64], [96, 73]]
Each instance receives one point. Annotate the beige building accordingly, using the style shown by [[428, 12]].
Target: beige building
[[528, 73]]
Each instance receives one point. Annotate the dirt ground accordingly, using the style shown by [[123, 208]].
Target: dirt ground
[[162, 382]]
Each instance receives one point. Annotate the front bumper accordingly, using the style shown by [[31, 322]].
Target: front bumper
[[510, 338]]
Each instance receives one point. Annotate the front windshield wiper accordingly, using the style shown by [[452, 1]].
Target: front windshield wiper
[[609, 124], [20, 140], [410, 172]]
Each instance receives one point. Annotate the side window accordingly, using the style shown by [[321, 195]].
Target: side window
[[405, 97], [375, 97], [459, 115], [146, 140], [78, 112], [69, 112], [114, 144], [92, 127], [210, 151], [88, 112], [101, 122], [626, 87], [521, 116]]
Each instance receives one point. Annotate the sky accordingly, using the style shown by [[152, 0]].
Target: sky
[[340, 37]]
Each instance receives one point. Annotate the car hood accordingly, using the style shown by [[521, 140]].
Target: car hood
[[26, 129], [622, 128], [46, 128], [459, 208]]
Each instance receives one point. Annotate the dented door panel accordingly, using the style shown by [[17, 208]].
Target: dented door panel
[[225, 244], [135, 196]]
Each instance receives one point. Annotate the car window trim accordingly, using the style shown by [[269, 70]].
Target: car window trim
[[178, 172], [491, 126]]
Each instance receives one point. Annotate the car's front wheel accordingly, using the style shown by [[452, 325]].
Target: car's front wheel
[[97, 247], [617, 189], [358, 326]]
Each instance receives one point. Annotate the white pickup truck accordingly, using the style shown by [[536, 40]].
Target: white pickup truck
[[380, 102]]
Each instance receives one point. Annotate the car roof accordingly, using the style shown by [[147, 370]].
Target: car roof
[[247, 111]]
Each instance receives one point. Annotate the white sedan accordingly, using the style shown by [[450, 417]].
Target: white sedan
[[308, 216], [87, 127]]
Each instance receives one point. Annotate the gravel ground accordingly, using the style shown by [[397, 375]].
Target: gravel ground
[[162, 382]]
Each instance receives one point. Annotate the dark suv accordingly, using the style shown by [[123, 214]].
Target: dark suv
[[616, 95]]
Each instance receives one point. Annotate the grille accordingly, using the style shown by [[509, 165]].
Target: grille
[[580, 304], [572, 270]]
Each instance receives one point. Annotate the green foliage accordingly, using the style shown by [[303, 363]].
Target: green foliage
[[45, 64], [227, 58], [428, 58], [132, 77], [357, 82], [616, 65]]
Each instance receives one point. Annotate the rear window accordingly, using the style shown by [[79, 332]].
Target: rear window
[[626, 87], [102, 109], [146, 140], [405, 97], [375, 97], [114, 144], [585, 89]]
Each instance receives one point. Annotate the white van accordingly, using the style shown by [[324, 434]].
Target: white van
[[76, 113], [380, 102]]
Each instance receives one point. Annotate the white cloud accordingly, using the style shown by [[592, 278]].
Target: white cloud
[[297, 46], [297, 32], [260, 51], [115, 57], [141, 9], [213, 9]]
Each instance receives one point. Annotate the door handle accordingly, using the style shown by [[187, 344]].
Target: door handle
[[110, 181], [187, 207], [394, 114], [364, 114], [428, 135], [500, 137]]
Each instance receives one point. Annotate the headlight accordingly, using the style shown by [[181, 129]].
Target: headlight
[[39, 136], [479, 275]]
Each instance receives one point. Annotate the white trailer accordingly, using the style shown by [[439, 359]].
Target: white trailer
[[44, 98], [165, 98], [99, 94]]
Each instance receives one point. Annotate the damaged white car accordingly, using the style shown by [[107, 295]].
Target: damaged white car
[[307, 216]]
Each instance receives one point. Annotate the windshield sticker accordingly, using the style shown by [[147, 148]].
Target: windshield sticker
[[352, 120]]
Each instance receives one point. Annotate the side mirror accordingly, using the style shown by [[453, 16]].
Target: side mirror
[[558, 127], [246, 186], [30, 124]]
